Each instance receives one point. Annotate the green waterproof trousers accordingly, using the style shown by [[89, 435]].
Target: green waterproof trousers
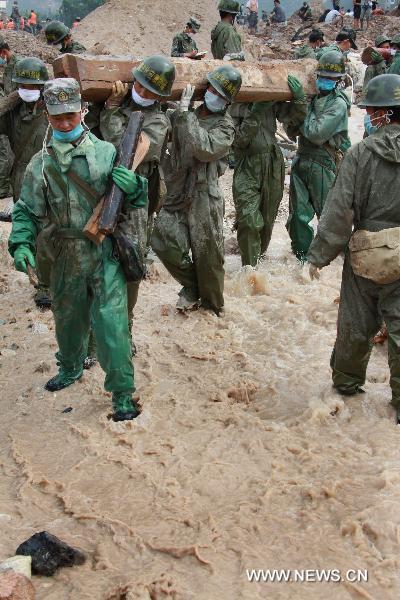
[[91, 292], [310, 181], [363, 303], [257, 193], [199, 231]]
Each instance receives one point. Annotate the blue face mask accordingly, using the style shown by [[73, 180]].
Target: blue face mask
[[369, 128], [68, 136], [325, 85], [2, 61]]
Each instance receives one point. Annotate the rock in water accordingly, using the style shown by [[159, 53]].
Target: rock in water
[[49, 553], [14, 586]]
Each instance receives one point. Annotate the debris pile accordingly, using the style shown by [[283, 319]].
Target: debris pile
[[27, 44]]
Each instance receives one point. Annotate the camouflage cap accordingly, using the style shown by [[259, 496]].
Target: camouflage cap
[[62, 96], [194, 23]]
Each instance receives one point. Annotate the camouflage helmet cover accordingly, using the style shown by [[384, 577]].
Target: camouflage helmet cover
[[226, 80], [382, 91], [229, 6], [396, 39], [331, 64], [156, 74], [62, 96], [30, 70]]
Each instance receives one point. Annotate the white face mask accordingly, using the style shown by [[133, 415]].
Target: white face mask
[[214, 103], [192, 35], [29, 95], [139, 100]]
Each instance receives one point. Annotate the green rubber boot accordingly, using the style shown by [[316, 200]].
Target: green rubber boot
[[125, 408], [63, 379]]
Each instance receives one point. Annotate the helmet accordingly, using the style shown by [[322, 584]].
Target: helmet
[[156, 74], [331, 64], [30, 70], [194, 23], [396, 39], [383, 90], [226, 80], [229, 6], [55, 32], [381, 39]]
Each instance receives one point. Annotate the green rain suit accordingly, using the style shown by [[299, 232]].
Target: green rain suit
[[323, 138], [88, 285], [191, 219], [8, 85], [259, 174], [365, 196], [394, 68], [25, 125], [113, 122], [305, 52], [225, 40], [182, 44]]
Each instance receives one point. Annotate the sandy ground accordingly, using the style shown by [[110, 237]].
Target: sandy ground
[[243, 457]]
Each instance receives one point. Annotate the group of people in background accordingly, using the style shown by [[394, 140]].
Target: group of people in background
[[29, 22]]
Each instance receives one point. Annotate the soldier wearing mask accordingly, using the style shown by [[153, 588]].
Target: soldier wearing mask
[[188, 233], [88, 285], [323, 138], [361, 218], [153, 80], [379, 65]]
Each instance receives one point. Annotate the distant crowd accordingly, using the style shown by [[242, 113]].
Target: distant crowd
[[28, 21]]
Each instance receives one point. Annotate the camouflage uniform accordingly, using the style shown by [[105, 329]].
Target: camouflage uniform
[[8, 84], [182, 44], [305, 52], [192, 216], [6, 154]]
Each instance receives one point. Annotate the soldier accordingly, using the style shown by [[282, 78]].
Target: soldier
[[87, 282], [9, 59], [363, 208], [226, 43], [56, 33], [315, 41], [394, 68], [345, 40], [259, 174], [379, 65], [191, 219], [183, 44], [25, 125], [153, 80], [323, 138]]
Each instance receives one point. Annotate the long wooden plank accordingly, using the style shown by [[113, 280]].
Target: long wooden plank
[[261, 81]]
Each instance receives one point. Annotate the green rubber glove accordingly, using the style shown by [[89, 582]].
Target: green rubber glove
[[126, 180], [296, 88], [21, 255], [376, 57]]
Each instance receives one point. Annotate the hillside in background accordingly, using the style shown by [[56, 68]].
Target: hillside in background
[[144, 27]]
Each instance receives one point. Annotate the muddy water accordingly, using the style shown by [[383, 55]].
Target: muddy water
[[243, 458]]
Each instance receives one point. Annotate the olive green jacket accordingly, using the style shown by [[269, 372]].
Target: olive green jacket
[[373, 71], [394, 68], [225, 40], [74, 48], [365, 195], [8, 84]]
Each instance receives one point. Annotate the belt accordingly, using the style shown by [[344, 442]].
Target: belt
[[69, 233]]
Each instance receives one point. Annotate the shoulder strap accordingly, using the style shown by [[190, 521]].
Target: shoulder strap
[[92, 197]]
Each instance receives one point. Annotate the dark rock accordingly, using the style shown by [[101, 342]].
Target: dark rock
[[49, 553]]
